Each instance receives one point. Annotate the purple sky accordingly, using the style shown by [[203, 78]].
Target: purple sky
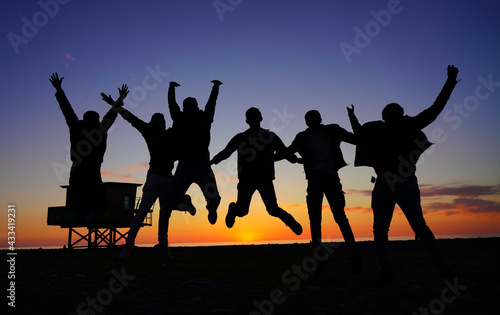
[[284, 57]]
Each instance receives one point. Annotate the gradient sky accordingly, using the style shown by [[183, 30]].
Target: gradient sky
[[284, 57]]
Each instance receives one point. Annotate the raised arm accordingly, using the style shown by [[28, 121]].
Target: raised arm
[[110, 117], [66, 109], [356, 126], [210, 107], [127, 115], [430, 114], [346, 136], [173, 107]]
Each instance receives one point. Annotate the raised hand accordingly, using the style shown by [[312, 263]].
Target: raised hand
[[216, 82], [107, 99], [350, 110], [123, 92], [56, 82], [174, 84], [452, 73]]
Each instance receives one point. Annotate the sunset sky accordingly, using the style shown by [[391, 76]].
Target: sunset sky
[[284, 57]]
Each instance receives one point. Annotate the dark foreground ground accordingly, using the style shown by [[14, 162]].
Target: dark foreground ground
[[256, 279]]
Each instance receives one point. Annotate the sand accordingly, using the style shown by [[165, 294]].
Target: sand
[[256, 279]]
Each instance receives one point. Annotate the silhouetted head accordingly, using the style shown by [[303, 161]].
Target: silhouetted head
[[158, 121], [253, 117], [91, 119], [189, 105], [392, 112], [313, 118]]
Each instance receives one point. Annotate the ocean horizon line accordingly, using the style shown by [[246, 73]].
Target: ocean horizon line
[[274, 242]]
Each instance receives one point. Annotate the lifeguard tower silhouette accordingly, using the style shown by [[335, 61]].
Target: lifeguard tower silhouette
[[120, 206]]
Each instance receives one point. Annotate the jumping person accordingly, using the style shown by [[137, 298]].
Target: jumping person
[[88, 137], [319, 148], [256, 148], [191, 126], [392, 147], [162, 150]]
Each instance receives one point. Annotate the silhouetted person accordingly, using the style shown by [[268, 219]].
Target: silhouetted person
[[162, 150], [256, 148], [392, 147], [88, 145], [319, 148], [192, 127]]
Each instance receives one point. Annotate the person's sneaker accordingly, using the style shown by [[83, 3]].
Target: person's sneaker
[[212, 216], [163, 251], [125, 252], [231, 215], [295, 226], [187, 205], [212, 210]]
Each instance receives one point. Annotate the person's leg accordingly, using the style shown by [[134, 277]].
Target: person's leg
[[151, 190], [241, 207], [164, 219], [335, 196], [408, 198], [314, 201], [165, 212], [268, 195], [383, 204], [180, 183], [205, 178]]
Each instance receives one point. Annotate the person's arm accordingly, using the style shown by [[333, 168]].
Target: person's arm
[[212, 100], [282, 151], [66, 109], [427, 116], [110, 117], [228, 150], [346, 136], [173, 107], [293, 148], [127, 115], [356, 126]]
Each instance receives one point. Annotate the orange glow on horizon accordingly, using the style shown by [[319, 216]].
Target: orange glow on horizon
[[259, 226]]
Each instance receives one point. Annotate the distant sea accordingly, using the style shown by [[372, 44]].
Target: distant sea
[[332, 240]]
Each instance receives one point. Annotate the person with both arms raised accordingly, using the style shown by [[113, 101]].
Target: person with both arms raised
[[163, 149], [88, 137], [191, 127]]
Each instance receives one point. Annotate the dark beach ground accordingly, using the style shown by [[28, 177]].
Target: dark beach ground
[[246, 279]]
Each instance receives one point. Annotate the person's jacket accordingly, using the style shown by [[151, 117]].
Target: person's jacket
[[336, 135], [161, 144], [397, 146], [193, 129], [256, 149], [88, 145]]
